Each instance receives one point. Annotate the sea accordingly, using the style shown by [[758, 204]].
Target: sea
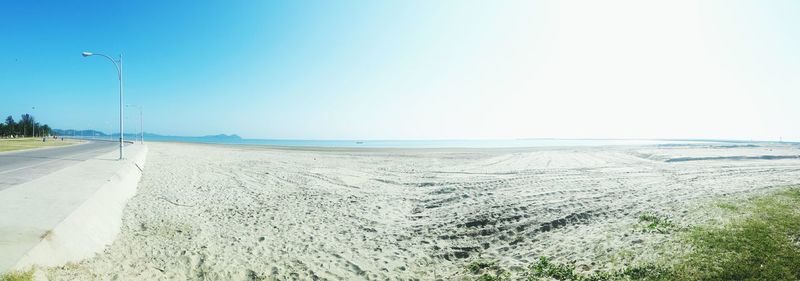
[[483, 143]]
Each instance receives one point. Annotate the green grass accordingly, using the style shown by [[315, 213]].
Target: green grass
[[545, 269], [762, 242], [29, 143], [655, 223], [487, 271], [559, 271], [728, 206], [17, 276], [764, 245]]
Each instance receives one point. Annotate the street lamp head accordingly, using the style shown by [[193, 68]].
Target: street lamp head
[[86, 54]]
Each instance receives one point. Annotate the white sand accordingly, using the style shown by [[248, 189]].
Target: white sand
[[243, 213]]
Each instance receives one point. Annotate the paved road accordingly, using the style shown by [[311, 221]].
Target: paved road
[[23, 166]]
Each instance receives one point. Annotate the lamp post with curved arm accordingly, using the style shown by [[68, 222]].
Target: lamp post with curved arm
[[33, 123], [118, 65]]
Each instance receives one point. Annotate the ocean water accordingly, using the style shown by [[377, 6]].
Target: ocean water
[[506, 143]]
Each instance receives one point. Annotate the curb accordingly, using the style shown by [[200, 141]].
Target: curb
[[92, 226]]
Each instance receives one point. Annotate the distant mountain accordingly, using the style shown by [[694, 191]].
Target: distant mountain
[[130, 136], [219, 136], [223, 136], [71, 132]]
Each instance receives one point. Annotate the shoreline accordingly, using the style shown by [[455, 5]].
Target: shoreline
[[476, 149]]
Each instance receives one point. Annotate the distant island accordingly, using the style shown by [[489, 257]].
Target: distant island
[[221, 136], [150, 136], [78, 133]]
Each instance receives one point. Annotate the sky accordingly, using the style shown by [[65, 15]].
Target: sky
[[409, 69]]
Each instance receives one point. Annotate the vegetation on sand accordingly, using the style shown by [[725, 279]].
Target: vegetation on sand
[[17, 276], [655, 223], [760, 242]]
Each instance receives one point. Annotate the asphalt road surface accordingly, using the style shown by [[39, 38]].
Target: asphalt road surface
[[18, 167]]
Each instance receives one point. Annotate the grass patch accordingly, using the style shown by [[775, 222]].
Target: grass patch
[[559, 271], [488, 271], [17, 276], [761, 243], [29, 143], [652, 222], [545, 269], [728, 206], [761, 246]]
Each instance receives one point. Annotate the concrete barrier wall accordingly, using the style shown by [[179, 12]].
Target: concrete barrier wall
[[94, 224]]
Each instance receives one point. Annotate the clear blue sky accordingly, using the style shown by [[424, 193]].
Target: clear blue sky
[[410, 69]]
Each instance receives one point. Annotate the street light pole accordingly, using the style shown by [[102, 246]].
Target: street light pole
[[33, 123], [117, 64], [141, 128]]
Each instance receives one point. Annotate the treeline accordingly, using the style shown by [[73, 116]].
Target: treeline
[[25, 127]]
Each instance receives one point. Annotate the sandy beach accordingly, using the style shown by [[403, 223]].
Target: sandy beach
[[214, 212]]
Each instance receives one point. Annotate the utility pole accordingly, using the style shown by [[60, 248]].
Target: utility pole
[[118, 65]]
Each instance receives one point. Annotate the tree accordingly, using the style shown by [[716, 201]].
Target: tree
[[45, 130], [10, 126], [24, 128], [26, 121]]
